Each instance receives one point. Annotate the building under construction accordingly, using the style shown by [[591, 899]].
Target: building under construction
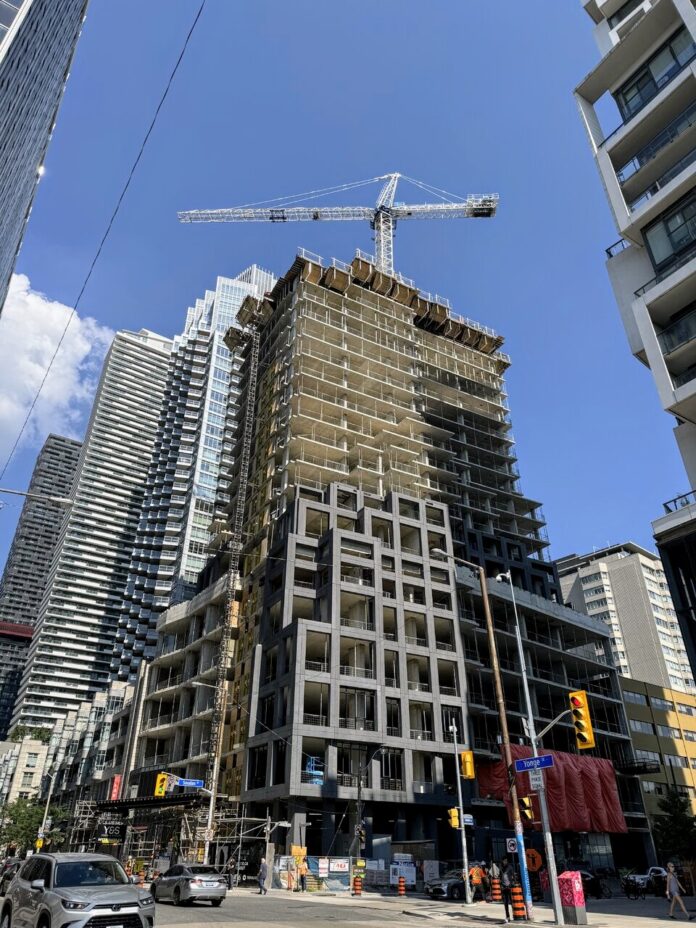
[[379, 446]]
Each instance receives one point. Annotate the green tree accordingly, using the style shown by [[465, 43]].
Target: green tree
[[674, 830], [20, 732], [21, 821]]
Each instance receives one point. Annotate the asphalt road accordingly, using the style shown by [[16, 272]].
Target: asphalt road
[[279, 909], [243, 908]]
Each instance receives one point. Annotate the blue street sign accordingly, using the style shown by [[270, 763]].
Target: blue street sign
[[197, 784], [534, 763], [468, 820]]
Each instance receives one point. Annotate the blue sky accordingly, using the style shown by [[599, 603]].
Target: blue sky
[[275, 98]]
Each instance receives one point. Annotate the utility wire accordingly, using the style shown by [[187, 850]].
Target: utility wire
[[107, 232]]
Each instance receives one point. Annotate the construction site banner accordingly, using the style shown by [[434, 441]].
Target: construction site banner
[[331, 874], [581, 791]]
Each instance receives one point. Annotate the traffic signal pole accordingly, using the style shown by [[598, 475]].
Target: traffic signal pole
[[541, 792], [462, 826]]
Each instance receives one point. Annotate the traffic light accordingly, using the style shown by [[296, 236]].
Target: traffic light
[[453, 816], [584, 736], [161, 784], [526, 811], [466, 765]]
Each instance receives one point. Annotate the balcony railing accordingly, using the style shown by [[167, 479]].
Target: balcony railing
[[417, 641], [683, 259], [683, 121], [310, 718], [421, 734], [349, 779], [393, 731], [391, 681], [367, 673], [685, 377], [393, 783], [423, 786], [357, 724], [444, 646], [365, 624], [448, 691], [663, 180], [678, 333], [418, 686], [318, 666], [680, 502], [312, 778]]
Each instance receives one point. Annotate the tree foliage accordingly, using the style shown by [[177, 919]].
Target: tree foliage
[[20, 732], [674, 830], [21, 821]]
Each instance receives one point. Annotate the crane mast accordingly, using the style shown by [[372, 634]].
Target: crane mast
[[382, 217]]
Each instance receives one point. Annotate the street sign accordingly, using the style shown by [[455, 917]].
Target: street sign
[[468, 820], [196, 784], [41, 833], [533, 763], [534, 860], [536, 780], [511, 845]]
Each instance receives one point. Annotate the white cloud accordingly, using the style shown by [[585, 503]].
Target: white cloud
[[30, 328]]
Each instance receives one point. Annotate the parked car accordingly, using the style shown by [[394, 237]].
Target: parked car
[[449, 886], [654, 881], [8, 873], [69, 890], [187, 883]]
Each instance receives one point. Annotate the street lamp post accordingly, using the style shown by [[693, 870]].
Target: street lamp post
[[361, 770], [502, 718], [47, 498], [543, 805], [42, 830]]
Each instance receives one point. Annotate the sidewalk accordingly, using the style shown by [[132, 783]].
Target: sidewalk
[[617, 912]]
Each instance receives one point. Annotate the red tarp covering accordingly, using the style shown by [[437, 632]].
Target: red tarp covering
[[581, 791]]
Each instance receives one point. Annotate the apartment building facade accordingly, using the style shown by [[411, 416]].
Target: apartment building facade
[[625, 586], [185, 488], [37, 43], [662, 723], [70, 655], [647, 164], [22, 768], [33, 547]]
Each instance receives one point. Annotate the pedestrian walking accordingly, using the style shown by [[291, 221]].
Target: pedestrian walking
[[507, 879], [302, 871], [262, 877], [476, 877], [674, 891]]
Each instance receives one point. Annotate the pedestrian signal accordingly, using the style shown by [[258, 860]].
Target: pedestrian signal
[[584, 736], [161, 784], [526, 811], [453, 816], [466, 764]]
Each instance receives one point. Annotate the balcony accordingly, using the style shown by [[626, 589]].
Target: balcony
[[418, 686], [317, 666], [421, 734], [310, 718], [678, 333], [391, 783], [365, 624], [684, 377], [662, 181], [684, 121], [678, 262], [357, 724], [365, 673]]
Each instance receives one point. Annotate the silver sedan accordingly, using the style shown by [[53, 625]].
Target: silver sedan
[[187, 883]]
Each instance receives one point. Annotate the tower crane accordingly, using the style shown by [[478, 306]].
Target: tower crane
[[383, 216]]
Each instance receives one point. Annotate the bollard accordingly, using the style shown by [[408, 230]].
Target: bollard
[[519, 912], [402, 885], [357, 886], [496, 891]]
